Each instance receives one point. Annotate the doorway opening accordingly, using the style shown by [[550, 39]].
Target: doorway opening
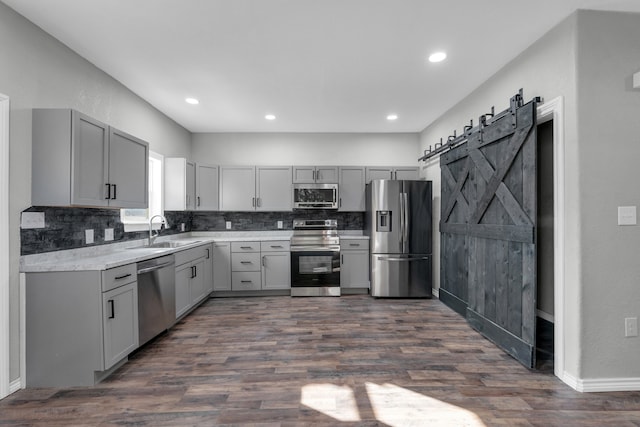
[[545, 254]]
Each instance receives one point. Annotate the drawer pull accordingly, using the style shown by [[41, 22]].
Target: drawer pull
[[246, 247], [246, 281], [122, 277], [276, 246], [246, 262], [354, 244]]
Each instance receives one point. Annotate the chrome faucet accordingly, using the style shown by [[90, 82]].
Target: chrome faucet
[[164, 222]]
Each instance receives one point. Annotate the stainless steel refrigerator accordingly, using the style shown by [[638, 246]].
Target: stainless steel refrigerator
[[398, 222]]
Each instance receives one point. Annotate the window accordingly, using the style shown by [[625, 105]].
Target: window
[[138, 219]]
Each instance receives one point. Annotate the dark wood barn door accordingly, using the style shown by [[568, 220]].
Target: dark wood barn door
[[488, 231]]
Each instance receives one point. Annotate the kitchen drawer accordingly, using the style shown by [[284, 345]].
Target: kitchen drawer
[[354, 244], [189, 255], [275, 246], [119, 276], [245, 262], [246, 281], [245, 246]]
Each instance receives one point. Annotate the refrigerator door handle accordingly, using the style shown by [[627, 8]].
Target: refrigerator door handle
[[405, 237], [402, 214], [421, 258]]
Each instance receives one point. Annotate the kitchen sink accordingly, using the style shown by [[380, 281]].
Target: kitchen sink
[[168, 244]]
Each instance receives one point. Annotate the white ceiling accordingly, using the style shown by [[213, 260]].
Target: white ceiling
[[318, 65]]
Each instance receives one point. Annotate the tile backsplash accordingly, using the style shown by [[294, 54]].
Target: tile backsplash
[[65, 227]]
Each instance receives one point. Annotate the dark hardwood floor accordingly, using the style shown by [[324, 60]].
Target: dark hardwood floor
[[354, 360]]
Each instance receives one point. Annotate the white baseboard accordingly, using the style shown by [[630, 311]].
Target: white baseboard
[[15, 385], [600, 384]]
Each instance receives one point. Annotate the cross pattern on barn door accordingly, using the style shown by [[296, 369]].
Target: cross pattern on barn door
[[495, 179]]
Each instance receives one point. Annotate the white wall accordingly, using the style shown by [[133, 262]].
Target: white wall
[[341, 149], [546, 69], [609, 151], [38, 71]]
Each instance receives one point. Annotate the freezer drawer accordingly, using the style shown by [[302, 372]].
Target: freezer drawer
[[401, 276]]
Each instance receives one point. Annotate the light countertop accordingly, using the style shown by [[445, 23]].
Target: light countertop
[[104, 257]]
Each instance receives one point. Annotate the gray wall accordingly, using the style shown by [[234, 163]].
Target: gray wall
[[341, 149], [608, 152], [588, 59], [38, 71]]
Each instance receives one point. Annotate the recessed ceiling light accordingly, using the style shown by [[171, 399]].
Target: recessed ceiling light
[[437, 57], [392, 117], [270, 117], [192, 101]]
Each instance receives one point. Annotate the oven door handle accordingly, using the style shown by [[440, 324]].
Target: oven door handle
[[315, 249]]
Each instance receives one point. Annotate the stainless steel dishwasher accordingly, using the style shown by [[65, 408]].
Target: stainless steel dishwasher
[[156, 296]]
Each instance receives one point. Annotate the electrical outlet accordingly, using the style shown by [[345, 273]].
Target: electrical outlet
[[280, 225], [228, 225], [631, 327], [108, 234], [88, 237]]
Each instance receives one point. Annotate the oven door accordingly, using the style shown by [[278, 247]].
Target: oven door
[[315, 271]]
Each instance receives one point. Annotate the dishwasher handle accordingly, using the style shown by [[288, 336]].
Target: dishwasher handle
[[155, 267]]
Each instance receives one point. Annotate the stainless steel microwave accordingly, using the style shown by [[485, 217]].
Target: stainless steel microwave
[[315, 196]]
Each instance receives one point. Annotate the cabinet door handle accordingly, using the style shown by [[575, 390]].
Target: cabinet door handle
[[108, 191], [263, 261], [113, 311], [258, 202], [342, 259], [208, 253], [195, 271], [313, 175], [198, 198], [122, 277], [253, 202], [340, 205], [114, 192]]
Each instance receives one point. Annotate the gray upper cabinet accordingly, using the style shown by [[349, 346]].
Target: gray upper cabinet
[[274, 191], [237, 188], [392, 172], [80, 161], [315, 174], [206, 187], [261, 188], [351, 189], [127, 177], [190, 186]]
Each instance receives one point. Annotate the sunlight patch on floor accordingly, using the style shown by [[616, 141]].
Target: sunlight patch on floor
[[335, 401], [392, 405], [397, 406]]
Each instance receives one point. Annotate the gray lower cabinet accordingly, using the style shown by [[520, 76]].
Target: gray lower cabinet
[[222, 266], [194, 277], [257, 266], [245, 266], [354, 264], [276, 265], [79, 324]]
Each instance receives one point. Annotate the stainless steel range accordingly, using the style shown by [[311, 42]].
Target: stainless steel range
[[315, 258]]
